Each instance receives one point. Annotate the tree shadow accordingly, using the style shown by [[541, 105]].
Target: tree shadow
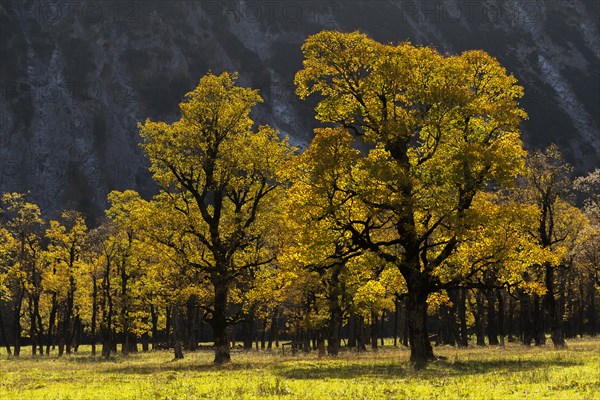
[[175, 366], [404, 370]]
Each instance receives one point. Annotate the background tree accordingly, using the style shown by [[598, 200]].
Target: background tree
[[317, 200], [67, 238], [547, 185], [7, 260], [24, 224]]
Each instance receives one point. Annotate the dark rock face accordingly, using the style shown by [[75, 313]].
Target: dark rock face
[[76, 77]]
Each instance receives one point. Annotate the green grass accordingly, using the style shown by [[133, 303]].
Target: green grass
[[515, 372]]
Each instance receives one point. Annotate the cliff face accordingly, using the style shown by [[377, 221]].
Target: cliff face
[[76, 77]]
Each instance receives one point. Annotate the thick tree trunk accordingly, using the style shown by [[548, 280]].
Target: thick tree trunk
[[420, 346], [551, 308], [219, 324], [335, 325]]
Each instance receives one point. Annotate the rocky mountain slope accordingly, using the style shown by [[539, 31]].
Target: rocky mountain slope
[[76, 77]]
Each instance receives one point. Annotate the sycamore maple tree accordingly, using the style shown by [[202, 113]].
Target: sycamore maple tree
[[440, 128], [220, 174]]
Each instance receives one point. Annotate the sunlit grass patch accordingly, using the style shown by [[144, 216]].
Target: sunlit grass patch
[[514, 372]]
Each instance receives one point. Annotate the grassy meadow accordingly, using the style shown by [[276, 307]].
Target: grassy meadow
[[514, 372]]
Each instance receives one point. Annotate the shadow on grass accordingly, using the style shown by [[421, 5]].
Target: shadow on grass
[[334, 369], [404, 370], [174, 366]]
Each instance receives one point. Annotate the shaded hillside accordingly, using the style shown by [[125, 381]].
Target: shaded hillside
[[77, 77]]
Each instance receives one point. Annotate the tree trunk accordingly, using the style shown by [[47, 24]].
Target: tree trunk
[[374, 324], [462, 317], [404, 324], [17, 322], [69, 323], [77, 332], [538, 322], [107, 313], [178, 343], [107, 332], [550, 305], [61, 331], [479, 315], [352, 342], [396, 312], [51, 324], [219, 324], [448, 325], [94, 314], [592, 323], [273, 329], [510, 319], [154, 319], [32, 329], [361, 334], [382, 328], [247, 329], [145, 342], [262, 334], [527, 329], [420, 346], [492, 332], [3, 335], [500, 297], [191, 322], [335, 325]]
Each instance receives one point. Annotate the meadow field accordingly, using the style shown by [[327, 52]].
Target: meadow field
[[514, 372]]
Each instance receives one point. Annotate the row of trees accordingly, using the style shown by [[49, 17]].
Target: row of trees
[[416, 196]]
